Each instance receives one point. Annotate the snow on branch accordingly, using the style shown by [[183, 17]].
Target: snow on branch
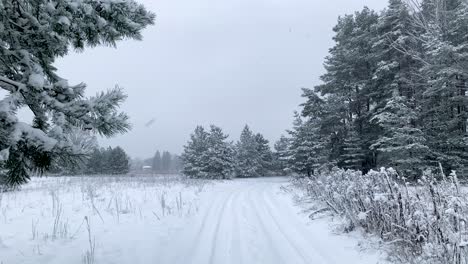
[[10, 85]]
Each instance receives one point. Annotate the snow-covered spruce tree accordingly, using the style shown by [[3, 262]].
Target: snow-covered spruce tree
[[95, 164], [32, 35], [401, 143], [330, 118], [384, 69], [353, 155], [281, 155], [219, 155], [166, 161], [444, 102], [246, 155], [307, 150], [264, 154], [337, 112], [208, 155], [348, 83], [397, 70], [176, 164], [402, 146], [118, 161], [106, 160], [193, 158], [156, 162], [253, 155]]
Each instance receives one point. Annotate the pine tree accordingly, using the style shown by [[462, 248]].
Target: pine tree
[[394, 45], [281, 155], [444, 101], [394, 91], [208, 155], [33, 34], [253, 155], [176, 164], [330, 118], [193, 157], [156, 162], [245, 155], [353, 155], [403, 145], [106, 160], [307, 150], [118, 161], [166, 162], [349, 82], [264, 155], [95, 162], [219, 155], [399, 86]]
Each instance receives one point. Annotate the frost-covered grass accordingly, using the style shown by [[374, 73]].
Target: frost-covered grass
[[93, 219], [424, 223]]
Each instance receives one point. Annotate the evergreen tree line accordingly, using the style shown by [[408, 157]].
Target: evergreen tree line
[[393, 95], [164, 163], [100, 161], [209, 154], [108, 161]]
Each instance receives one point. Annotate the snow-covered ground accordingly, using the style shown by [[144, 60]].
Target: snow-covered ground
[[165, 220]]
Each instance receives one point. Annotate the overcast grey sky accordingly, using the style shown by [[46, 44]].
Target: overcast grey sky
[[228, 63]]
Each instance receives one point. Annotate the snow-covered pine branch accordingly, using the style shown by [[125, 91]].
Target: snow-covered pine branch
[[33, 34]]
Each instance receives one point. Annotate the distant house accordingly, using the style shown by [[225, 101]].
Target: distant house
[[147, 168]]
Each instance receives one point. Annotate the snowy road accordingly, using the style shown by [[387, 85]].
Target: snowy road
[[253, 221]]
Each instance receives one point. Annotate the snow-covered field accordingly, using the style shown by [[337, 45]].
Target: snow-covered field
[[164, 220]]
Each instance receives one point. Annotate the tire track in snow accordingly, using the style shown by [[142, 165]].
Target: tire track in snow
[[217, 233], [288, 250], [294, 236], [274, 249], [207, 231], [240, 225], [298, 227], [247, 222], [190, 241]]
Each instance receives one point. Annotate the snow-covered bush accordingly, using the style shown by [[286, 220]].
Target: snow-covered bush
[[424, 223]]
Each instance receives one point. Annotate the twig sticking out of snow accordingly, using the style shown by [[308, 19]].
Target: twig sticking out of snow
[[89, 256]]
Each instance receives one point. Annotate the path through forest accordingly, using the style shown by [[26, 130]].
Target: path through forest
[[254, 221]]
